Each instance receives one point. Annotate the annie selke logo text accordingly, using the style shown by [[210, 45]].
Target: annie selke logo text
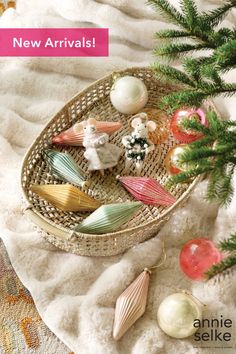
[[214, 332]]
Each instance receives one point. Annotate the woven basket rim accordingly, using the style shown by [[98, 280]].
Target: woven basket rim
[[68, 232]]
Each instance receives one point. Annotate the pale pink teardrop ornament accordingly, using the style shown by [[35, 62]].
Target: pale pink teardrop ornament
[[147, 190], [73, 137], [131, 304]]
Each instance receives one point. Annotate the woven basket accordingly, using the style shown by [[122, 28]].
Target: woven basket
[[58, 225]]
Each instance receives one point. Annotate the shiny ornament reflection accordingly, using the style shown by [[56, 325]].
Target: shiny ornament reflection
[[172, 160], [179, 132], [128, 94], [176, 315], [197, 257]]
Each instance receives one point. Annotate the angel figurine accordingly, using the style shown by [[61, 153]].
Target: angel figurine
[[99, 152]]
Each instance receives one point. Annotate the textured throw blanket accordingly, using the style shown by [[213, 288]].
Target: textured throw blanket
[[76, 295]]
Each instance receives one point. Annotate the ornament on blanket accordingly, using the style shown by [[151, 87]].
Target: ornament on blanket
[[197, 257], [63, 166], [128, 94], [108, 218], [137, 144], [147, 190], [66, 197], [74, 136], [185, 135], [162, 131], [172, 160], [177, 313], [131, 304], [99, 152]]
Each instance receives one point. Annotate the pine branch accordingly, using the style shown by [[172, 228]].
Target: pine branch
[[220, 267], [171, 33], [172, 75], [173, 51], [214, 17], [190, 11], [228, 244], [204, 72], [168, 11]]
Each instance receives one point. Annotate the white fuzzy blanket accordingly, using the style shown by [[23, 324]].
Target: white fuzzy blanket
[[76, 295]]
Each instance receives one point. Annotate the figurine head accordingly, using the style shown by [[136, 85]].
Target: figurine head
[[142, 126], [88, 126]]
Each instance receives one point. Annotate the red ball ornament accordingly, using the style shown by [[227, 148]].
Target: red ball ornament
[[171, 160], [197, 256], [186, 135]]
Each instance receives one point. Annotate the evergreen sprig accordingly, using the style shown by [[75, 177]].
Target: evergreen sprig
[[227, 245], [201, 76], [213, 154]]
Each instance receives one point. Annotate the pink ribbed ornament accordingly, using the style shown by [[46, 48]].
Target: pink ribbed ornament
[[131, 304], [147, 190], [73, 137]]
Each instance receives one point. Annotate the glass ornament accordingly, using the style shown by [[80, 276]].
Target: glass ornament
[[197, 257], [162, 131], [108, 218], [66, 197], [176, 315], [179, 132], [75, 137], [128, 94], [171, 161], [147, 190], [63, 166], [131, 304]]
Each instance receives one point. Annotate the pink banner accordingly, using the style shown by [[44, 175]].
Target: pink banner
[[54, 42]]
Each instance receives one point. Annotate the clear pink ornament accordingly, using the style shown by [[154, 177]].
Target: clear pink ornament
[[147, 190], [197, 257], [74, 138]]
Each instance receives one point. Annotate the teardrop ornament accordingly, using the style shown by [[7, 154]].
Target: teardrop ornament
[[66, 197], [131, 304], [108, 218], [63, 166], [73, 137], [147, 190]]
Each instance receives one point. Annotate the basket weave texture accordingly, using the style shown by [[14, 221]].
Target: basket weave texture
[[58, 225]]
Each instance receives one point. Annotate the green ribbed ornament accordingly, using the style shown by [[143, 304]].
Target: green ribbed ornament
[[108, 218], [63, 166]]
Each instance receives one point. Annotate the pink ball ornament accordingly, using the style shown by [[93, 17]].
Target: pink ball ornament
[[197, 256]]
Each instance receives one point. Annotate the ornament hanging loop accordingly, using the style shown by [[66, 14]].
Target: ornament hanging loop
[[162, 261]]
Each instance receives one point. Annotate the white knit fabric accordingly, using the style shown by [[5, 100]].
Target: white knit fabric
[[76, 295]]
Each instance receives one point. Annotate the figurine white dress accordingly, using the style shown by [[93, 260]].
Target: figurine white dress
[[99, 152]]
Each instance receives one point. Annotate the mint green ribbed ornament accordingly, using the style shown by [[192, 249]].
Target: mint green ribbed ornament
[[108, 218], [63, 166]]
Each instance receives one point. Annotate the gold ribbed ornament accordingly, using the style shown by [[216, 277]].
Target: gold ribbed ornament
[[66, 197]]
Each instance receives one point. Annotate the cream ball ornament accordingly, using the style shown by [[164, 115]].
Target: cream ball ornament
[[176, 315], [128, 94]]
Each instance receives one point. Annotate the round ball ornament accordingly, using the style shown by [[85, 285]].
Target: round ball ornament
[[179, 132], [172, 158], [197, 256], [176, 315], [128, 94]]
